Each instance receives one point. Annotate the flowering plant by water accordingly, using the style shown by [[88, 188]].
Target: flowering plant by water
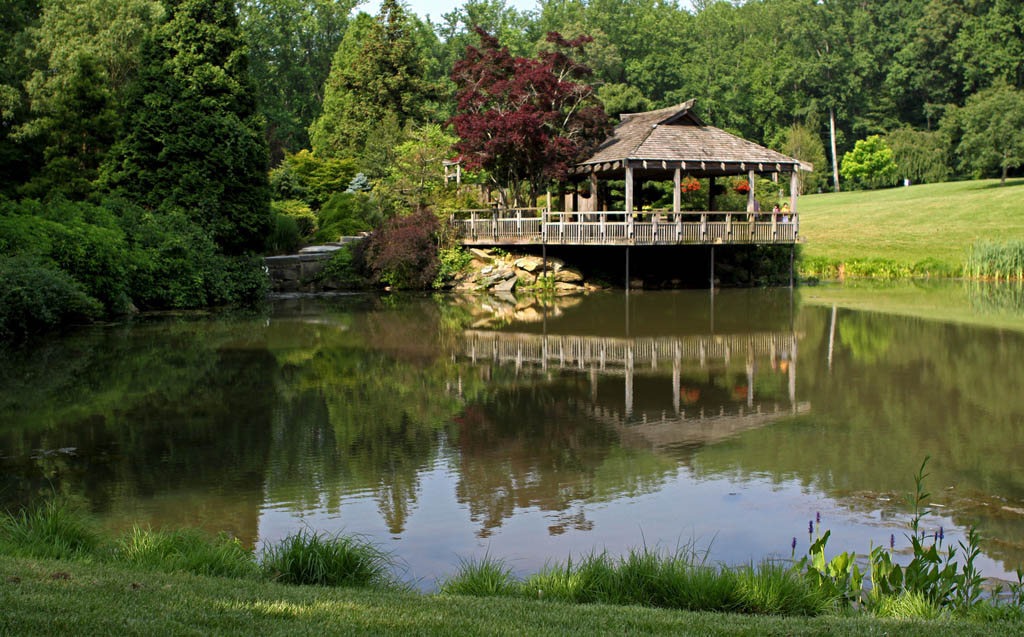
[[931, 584]]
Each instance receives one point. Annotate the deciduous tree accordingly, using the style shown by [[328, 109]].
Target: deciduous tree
[[525, 120], [992, 128]]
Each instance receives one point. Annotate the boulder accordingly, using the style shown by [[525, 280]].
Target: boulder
[[506, 285], [568, 275], [525, 277], [483, 255], [636, 284], [530, 264], [563, 287], [555, 265], [486, 269]]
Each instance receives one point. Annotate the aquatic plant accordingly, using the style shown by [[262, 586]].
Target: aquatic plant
[[996, 260]]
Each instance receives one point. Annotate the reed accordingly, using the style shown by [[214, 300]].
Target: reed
[[999, 260]]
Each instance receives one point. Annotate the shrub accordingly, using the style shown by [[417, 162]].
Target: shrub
[[175, 264], [185, 550], [310, 178], [82, 239], [35, 296], [51, 530], [452, 261], [304, 217], [403, 252], [346, 214], [324, 560], [345, 267], [285, 236]]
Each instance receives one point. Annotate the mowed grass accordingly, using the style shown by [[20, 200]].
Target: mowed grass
[[907, 225], [49, 597]]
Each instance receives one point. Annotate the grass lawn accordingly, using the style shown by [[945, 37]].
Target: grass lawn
[[42, 597], [910, 224]]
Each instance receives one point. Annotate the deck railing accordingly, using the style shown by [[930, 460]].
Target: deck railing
[[612, 227]]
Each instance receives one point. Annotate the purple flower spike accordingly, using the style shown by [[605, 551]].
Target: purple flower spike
[[810, 527], [892, 540], [941, 534], [794, 543], [818, 517]]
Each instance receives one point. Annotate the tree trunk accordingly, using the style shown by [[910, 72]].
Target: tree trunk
[[832, 133], [1003, 182]]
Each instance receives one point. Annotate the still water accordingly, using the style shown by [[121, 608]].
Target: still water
[[445, 428]]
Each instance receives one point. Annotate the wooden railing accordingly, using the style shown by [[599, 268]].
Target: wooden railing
[[538, 225]]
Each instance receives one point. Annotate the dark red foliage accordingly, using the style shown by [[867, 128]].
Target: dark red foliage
[[403, 252], [525, 120]]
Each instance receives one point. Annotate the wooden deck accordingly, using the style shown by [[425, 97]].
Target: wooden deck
[[537, 226]]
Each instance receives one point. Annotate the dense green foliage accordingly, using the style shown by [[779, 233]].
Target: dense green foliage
[[193, 138], [870, 163]]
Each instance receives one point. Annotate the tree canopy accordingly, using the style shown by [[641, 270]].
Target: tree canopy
[[525, 120]]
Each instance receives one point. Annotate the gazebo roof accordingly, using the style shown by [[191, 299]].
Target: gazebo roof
[[675, 137]]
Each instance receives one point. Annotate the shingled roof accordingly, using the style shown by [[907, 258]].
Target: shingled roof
[[676, 134]]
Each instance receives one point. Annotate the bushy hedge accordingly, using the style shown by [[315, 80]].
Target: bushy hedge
[[72, 261], [36, 296]]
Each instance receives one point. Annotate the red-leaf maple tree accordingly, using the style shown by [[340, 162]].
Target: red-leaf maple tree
[[525, 120]]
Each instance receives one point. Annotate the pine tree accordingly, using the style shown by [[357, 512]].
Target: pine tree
[[193, 139], [376, 72]]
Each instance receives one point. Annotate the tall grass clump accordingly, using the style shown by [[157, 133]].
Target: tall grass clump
[[50, 530], [773, 589], [996, 260], [186, 550], [329, 560], [483, 577], [650, 577]]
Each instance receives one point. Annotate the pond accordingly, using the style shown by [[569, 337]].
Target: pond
[[446, 427]]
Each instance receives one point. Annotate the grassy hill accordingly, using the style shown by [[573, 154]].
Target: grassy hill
[[907, 225]]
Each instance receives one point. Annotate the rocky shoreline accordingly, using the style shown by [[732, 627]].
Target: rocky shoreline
[[495, 270]]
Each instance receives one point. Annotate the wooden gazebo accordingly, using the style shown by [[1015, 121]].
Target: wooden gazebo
[[668, 143]]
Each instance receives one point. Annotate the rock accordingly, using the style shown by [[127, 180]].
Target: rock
[[525, 277], [505, 273], [508, 299], [636, 284], [530, 264], [483, 255], [565, 287], [506, 285], [322, 249], [568, 275], [486, 269], [476, 264], [555, 264], [675, 282]]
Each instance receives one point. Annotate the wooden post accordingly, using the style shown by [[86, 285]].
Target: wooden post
[[458, 174], [794, 186], [472, 224], [750, 191], [711, 194], [629, 201], [548, 200], [676, 193], [595, 200]]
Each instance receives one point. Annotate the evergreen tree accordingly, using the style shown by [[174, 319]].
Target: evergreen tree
[[193, 139], [384, 75]]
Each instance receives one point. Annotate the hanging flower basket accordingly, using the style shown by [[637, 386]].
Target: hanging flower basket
[[742, 187], [689, 184]]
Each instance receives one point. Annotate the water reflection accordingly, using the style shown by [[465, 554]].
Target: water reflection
[[529, 428]]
